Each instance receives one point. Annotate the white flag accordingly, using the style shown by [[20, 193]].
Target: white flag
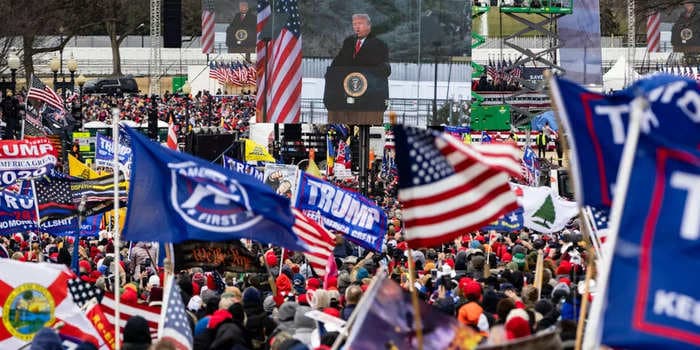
[[544, 211]]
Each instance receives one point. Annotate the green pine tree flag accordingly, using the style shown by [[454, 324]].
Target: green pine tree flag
[[545, 215]]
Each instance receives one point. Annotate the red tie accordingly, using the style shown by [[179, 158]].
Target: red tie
[[358, 44]]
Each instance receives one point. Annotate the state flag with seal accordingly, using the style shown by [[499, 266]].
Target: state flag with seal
[[35, 295]]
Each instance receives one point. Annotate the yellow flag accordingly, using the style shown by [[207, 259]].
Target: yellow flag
[[312, 168], [78, 169], [257, 152], [109, 217]]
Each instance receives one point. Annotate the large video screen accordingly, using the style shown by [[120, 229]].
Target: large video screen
[[685, 33], [413, 30]]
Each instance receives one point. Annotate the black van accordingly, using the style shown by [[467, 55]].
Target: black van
[[111, 86]]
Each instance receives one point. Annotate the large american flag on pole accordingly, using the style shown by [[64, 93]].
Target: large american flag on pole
[[448, 188], [208, 17], [39, 91], [280, 80], [653, 32]]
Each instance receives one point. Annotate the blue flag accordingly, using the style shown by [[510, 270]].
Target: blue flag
[[175, 197], [597, 125], [361, 220], [512, 221], [243, 168], [17, 213], [65, 226], [104, 156], [653, 301], [91, 225]]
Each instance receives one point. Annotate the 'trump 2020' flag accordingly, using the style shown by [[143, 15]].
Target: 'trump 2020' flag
[[188, 198], [35, 295], [597, 127], [25, 159], [358, 218], [17, 213], [448, 188], [652, 299]]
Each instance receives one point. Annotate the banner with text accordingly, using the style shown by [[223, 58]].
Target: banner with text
[[25, 159], [652, 299], [361, 220], [227, 256], [17, 213], [240, 167], [104, 154]]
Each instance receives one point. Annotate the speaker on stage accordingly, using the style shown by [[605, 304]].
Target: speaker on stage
[[172, 18]]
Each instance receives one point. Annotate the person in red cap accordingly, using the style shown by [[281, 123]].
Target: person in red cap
[[471, 314]]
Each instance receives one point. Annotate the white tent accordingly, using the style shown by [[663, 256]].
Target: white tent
[[95, 124], [620, 75]]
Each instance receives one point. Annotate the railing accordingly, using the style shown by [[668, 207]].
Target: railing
[[408, 111]]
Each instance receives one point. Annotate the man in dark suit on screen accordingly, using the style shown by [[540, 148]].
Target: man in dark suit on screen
[[240, 34], [363, 48]]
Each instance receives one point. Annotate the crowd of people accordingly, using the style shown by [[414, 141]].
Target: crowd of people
[[483, 279], [231, 112]]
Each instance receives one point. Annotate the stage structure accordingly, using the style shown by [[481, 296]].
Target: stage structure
[[544, 24]]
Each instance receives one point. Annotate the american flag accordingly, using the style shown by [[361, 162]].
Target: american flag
[[448, 188], [319, 240], [174, 325], [600, 221], [127, 310], [82, 291], [208, 16], [54, 196], [264, 12], [33, 125], [283, 95], [491, 70], [172, 136], [653, 32], [343, 155], [214, 71], [41, 92]]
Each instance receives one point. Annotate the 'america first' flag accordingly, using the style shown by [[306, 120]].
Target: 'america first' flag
[[652, 300], [596, 127], [448, 188]]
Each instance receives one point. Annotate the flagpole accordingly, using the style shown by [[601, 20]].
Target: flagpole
[[36, 206], [117, 238], [418, 324], [592, 330], [593, 334]]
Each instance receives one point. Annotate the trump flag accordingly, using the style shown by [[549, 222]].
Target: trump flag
[[597, 125], [176, 197], [652, 299]]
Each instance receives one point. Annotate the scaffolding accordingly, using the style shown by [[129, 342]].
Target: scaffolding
[[477, 40], [154, 69], [540, 17]]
